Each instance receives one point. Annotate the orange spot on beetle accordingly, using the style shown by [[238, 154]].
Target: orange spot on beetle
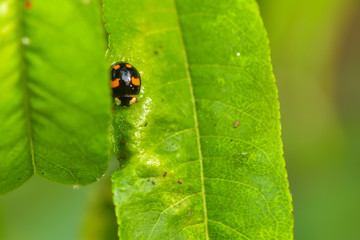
[[135, 81], [115, 83], [128, 65], [116, 67]]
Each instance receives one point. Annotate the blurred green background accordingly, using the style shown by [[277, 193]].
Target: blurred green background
[[316, 57]]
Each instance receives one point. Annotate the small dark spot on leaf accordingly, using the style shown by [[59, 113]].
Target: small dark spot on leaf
[[165, 173], [236, 124], [122, 142], [122, 155], [180, 182], [162, 100], [145, 124], [148, 179], [156, 52], [231, 140], [42, 173], [28, 4], [160, 46], [112, 110], [153, 183]]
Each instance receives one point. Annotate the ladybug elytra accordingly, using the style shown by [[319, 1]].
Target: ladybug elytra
[[125, 83]]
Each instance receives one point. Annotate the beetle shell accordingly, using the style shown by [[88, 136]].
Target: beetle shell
[[125, 82]]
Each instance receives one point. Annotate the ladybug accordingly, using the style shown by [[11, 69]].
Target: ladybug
[[125, 83]]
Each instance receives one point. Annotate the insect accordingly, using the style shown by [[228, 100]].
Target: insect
[[125, 83]]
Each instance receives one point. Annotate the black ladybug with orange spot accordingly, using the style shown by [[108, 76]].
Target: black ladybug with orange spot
[[125, 83]]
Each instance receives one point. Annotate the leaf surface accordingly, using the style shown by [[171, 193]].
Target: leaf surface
[[54, 92], [200, 152]]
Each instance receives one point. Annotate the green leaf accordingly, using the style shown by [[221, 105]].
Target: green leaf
[[54, 92], [207, 116]]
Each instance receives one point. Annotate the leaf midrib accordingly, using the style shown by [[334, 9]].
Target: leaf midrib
[[188, 74], [24, 80]]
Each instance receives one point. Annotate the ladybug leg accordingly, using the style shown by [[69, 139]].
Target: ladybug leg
[[133, 99], [118, 101]]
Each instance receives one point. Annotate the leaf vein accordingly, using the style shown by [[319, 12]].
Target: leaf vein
[[193, 225], [199, 14], [234, 67], [243, 235], [162, 212], [60, 166], [227, 105], [171, 136], [255, 188], [24, 77], [185, 163], [186, 62], [242, 140]]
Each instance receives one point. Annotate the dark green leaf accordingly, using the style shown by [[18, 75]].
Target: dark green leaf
[[54, 92], [207, 116]]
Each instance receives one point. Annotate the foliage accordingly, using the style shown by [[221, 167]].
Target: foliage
[[200, 152], [54, 100]]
